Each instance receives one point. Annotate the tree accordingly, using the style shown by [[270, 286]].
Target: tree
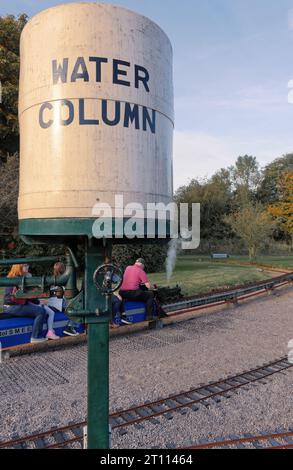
[[8, 195], [10, 30], [214, 196], [283, 209], [253, 224], [154, 255], [246, 172], [246, 177], [270, 189]]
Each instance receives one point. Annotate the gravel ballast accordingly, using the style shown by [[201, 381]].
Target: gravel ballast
[[45, 390]]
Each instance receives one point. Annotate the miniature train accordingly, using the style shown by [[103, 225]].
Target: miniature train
[[16, 332]]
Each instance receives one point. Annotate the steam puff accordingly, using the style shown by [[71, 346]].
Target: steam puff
[[173, 250]]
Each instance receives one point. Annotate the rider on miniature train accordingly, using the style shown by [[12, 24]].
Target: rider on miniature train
[[132, 288], [25, 320], [44, 313]]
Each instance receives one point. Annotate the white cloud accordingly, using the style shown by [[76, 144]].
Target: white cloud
[[260, 97], [198, 154], [265, 97]]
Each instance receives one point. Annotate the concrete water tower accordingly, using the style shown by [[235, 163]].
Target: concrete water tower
[[96, 121], [95, 112]]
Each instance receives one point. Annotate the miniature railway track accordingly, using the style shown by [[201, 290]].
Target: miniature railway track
[[279, 440], [232, 295], [72, 435]]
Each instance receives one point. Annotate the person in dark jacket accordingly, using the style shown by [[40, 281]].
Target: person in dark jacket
[[24, 308]]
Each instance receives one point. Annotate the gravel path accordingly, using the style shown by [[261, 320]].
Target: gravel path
[[49, 389]]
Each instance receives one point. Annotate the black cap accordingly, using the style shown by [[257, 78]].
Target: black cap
[[141, 261]]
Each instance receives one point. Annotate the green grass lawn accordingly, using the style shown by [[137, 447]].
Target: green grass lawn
[[277, 261], [198, 274]]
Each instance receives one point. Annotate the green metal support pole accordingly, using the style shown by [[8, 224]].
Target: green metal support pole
[[98, 385], [98, 354]]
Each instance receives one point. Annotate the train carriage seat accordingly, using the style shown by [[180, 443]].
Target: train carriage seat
[[135, 311]]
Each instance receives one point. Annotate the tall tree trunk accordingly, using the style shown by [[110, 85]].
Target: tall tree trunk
[[252, 252]]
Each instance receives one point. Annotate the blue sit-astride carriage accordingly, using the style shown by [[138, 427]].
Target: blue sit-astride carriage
[[17, 331], [135, 312]]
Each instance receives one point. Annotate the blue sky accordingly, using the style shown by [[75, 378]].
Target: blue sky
[[232, 64]]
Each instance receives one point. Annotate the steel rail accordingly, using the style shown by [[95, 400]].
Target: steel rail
[[229, 295], [170, 404], [245, 440]]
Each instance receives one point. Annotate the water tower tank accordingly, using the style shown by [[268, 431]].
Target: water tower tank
[[95, 112]]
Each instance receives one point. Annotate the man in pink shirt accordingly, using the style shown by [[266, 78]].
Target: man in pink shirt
[[130, 289]]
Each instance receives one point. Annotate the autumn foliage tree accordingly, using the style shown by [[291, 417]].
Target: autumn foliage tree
[[253, 225], [282, 211]]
